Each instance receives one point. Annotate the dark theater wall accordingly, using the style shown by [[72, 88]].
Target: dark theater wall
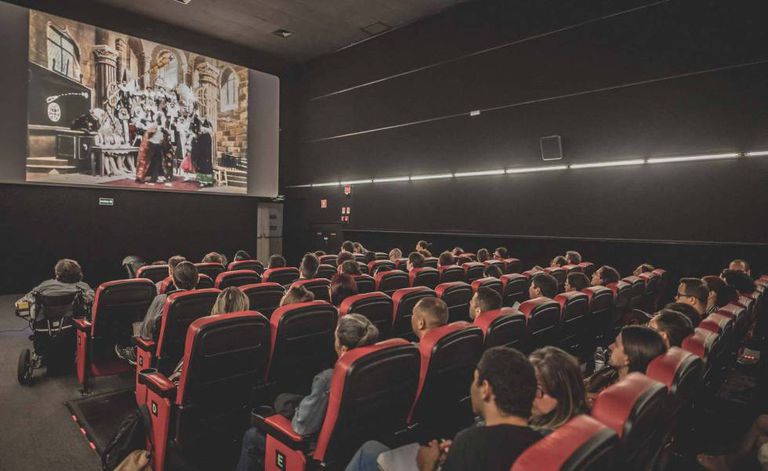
[[616, 79]]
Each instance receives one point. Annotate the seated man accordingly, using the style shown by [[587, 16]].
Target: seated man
[[604, 276], [558, 261], [543, 284], [502, 394], [576, 281], [215, 257], [446, 258], [694, 292], [67, 279], [308, 268], [486, 299], [672, 325], [573, 257], [483, 255], [343, 257], [415, 260], [428, 313], [172, 262], [242, 255], [687, 310], [740, 265], [348, 246], [277, 261], [500, 253], [739, 280]]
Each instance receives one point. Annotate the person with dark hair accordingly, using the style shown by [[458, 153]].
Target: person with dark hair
[[542, 284], [605, 275], [740, 265], [739, 280], [369, 256], [415, 260], [500, 253], [485, 299], [308, 412], [348, 246], [492, 271], [576, 281], [309, 266], [395, 255], [343, 256], [172, 262], [558, 261], [560, 395], [446, 258], [672, 325], [483, 255], [457, 251], [297, 294], [720, 293], [422, 245], [343, 284], [215, 257], [425, 253], [687, 310], [428, 313], [67, 279], [241, 255], [502, 394], [319, 253], [277, 261], [643, 268], [573, 257], [358, 248], [694, 292]]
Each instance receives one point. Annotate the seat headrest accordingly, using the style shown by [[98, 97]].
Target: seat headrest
[[263, 286], [716, 323], [732, 310], [511, 277], [472, 265], [444, 288], [616, 405], [225, 275], [347, 306], [282, 311], [700, 342], [671, 367], [431, 338], [596, 291], [390, 274], [571, 296], [398, 295], [528, 274], [487, 318], [487, 282], [443, 268], [530, 307]]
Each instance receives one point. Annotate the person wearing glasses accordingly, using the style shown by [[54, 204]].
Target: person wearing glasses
[[694, 292]]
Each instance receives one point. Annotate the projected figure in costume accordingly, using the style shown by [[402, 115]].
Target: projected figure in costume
[[143, 161], [201, 151]]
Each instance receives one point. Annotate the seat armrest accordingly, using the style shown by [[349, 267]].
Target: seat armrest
[[82, 324], [280, 428], [158, 383], [144, 344]]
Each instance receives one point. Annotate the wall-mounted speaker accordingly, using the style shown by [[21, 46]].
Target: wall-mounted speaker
[[551, 148]]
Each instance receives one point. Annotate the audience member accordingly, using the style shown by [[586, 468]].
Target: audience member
[[576, 281], [483, 255], [369, 256], [542, 284], [297, 294], [720, 293], [694, 292], [241, 255], [67, 279], [422, 245], [604, 276], [320, 253], [428, 313], [739, 280], [493, 271], [395, 255], [687, 310], [643, 268], [277, 261], [309, 266], [573, 257], [672, 325], [343, 257], [358, 248], [457, 251], [740, 265], [500, 253], [172, 262], [307, 413], [485, 299], [348, 246], [445, 259], [415, 260], [343, 284], [560, 394], [558, 261], [215, 257], [425, 253]]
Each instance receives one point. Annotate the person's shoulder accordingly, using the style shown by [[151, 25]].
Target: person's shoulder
[[325, 376]]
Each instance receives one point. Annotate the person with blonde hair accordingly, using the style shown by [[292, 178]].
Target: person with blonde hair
[[231, 299]]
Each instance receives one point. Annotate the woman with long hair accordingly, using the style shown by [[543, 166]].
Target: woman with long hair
[[560, 391]]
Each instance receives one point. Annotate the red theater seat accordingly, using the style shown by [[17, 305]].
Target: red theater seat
[[637, 291], [326, 271], [401, 264], [634, 409], [390, 281], [503, 327], [254, 265], [514, 287], [371, 393], [365, 283], [528, 274], [572, 269], [663, 283], [285, 275], [116, 306], [156, 273], [498, 263], [559, 274], [204, 281], [681, 372], [464, 258], [574, 322], [377, 264], [431, 262], [488, 282], [473, 271], [652, 291], [320, 287], [403, 301], [622, 295], [542, 322], [264, 297], [600, 322], [381, 256], [166, 286], [582, 443], [449, 273], [512, 265], [236, 278], [302, 339], [376, 307], [449, 355], [363, 268], [224, 358], [328, 260], [426, 276], [700, 343], [210, 269], [456, 295]]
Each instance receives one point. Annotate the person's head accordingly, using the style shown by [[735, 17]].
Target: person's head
[[309, 265], [297, 294], [558, 261], [492, 270], [643, 268], [446, 258], [415, 260], [242, 255], [352, 331], [483, 255], [457, 251], [173, 261], [214, 257], [576, 281], [369, 256], [350, 267], [67, 271], [504, 384], [714, 284], [740, 265], [395, 254], [422, 245], [185, 275], [348, 246], [605, 275], [542, 284], [739, 280], [343, 257], [672, 325], [231, 299], [358, 247], [693, 291], [560, 391], [573, 257], [428, 313], [277, 261], [687, 310], [635, 347], [485, 299], [319, 253], [425, 253], [500, 253]]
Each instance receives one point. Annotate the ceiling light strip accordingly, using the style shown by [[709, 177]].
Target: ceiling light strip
[[357, 182], [391, 179], [315, 185], [431, 177], [536, 169], [692, 158], [480, 173], [615, 163], [757, 153]]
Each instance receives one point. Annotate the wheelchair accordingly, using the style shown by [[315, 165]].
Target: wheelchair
[[53, 336]]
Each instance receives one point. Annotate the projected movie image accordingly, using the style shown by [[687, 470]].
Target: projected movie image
[[114, 110]]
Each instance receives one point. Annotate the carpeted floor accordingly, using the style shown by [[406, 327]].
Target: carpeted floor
[[38, 431]]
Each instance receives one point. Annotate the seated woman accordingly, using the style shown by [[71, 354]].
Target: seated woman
[[492, 271], [395, 255], [560, 393], [67, 279], [352, 331], [343, 284], [297, 294], [633, 350]]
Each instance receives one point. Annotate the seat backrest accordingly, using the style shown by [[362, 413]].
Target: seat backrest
[[211, 269], [328, 260], [425, 276], [167, 286], [204, 281], [403, 301], [497, 263], [473, 271], [652, 283], [600, 312], [376, 264], [456, 295], [574, 307], [633, 407], [375, 306], [390, 281], [325, 271], [680, 371], [450, 273], [236, 278], [401, 264], [622, 295], [180, 310], [284, 275], [512, 265], [264, 297], [359, 256], [700, 343], [449, 356], [118, 304], [320, 287], [717, 323], [431, 262], [582, 443], [637, 290], [588, 268], [372, 390], [488, 282], [254, 265], [302, 339], [542, 321], [572, 269], [514, 289], [559, 274], [155, 273], [381, 256], [503, 327], [365, 283]]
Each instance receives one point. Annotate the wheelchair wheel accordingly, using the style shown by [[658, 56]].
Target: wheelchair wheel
[[24, 371]]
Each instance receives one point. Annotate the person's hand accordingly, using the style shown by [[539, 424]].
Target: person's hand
[[445, 447], [428, 456]]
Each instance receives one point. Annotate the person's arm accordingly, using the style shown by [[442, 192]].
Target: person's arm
[[457, 457], [310, 413], [153, 313]]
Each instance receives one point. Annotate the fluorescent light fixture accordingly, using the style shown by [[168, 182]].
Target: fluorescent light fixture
[[391, 179], [357, 182], [479, 174], [758, 153], [615, 163], [431, 177], [691, 158], [315, 185], [300, 186], [536, 169]]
